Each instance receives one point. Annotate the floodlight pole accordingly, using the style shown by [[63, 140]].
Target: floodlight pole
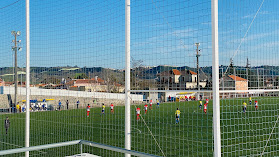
[[215, 77], [27, 119], [15, 66], [127, 79]]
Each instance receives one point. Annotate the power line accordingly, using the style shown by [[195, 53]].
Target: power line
[[10, 4], [244, 36]]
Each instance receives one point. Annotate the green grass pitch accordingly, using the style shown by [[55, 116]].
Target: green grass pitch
[[156, 132]]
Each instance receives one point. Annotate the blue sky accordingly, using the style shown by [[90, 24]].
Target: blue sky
[[163, 32]]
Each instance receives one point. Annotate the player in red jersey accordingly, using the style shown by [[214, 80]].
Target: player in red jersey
[[145, 108], [256, 105], [150, 104], [205, 108], [88, 110], [186, 97], [138, 113], [206, 100], [111, 108]]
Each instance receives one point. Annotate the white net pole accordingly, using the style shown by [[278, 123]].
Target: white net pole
[[215, 75], [27, 120], [127, 79]]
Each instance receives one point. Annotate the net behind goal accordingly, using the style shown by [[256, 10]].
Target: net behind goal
[[142, 77]]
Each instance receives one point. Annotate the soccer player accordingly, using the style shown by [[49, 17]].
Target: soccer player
[[59, 104], [145, 108], [150, 104], [244, 107], [177, 115], [250, 100], [206, 100], [205, 108], [158, 103], [67, 104], [111, 108], [103, 109], [7, 124], [256, 105], [200, 104], [17, 107], [77, 104], [138, 113], [88, 110], [186, 98]]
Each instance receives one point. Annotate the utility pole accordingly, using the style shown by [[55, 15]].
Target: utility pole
[[198, 55], [247, 74], [16, 48], [234, 81]]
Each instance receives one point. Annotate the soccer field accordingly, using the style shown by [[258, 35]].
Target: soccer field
[[156, 132]]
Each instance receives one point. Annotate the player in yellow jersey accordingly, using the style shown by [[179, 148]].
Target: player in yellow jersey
[[250, 100], [244, 107], [177, 115], [103, 109], [200, 104]]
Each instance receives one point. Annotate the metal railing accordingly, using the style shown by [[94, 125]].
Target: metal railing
[[81, 142]]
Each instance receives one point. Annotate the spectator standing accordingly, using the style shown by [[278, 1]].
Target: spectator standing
[[7, 124], [77, 104], [67, 104]]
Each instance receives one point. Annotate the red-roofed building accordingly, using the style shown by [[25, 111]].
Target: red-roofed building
[[171, 76], [180, 80], [236, 78], [192, 72], [2, 82], [175, 72], [233, 82], [9, 83], [93, 85]]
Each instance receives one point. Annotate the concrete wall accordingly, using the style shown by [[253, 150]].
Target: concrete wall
[[63, 95]]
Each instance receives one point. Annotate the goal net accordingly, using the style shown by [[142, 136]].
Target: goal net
[[92, 61]]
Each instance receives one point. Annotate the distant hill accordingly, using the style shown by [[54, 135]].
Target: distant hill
[[42, 74]]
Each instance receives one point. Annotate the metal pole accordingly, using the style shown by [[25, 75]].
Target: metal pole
[[258, 79], [215, 75], [21, 81], [263, 78], [273, 82], [198, 55], [15, 69], [247, 80], [127, 79], [223, 81], [10, 107], [27, 119], [234, 81]]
